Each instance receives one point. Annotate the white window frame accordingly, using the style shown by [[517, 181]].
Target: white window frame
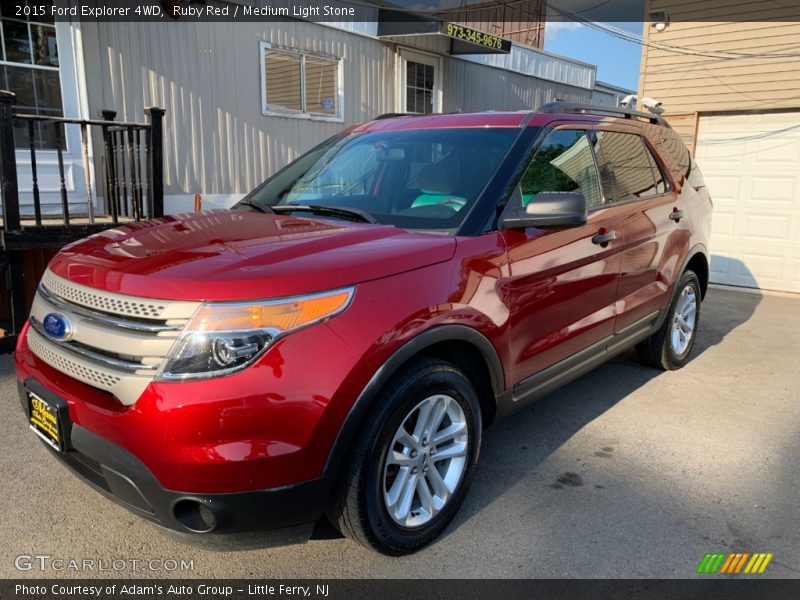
[[74, 104], [275, 111], [426, 58]]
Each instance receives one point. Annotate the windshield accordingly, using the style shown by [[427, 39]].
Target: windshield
[[415, 179]]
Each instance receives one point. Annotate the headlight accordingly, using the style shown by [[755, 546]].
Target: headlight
[[223, 337]]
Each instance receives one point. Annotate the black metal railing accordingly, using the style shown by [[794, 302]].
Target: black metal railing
[[127, 170], [132, 176]]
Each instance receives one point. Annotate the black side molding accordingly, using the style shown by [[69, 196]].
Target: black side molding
[[572, 367]]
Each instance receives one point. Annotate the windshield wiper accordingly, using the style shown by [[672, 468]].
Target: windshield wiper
[[258, 207], [352, 214]]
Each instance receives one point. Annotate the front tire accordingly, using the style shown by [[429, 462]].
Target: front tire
[[669, 348], [413, 462]]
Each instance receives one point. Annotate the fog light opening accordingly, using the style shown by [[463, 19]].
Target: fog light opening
[[195, 516]]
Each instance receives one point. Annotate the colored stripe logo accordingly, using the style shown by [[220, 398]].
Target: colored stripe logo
[[734, 563]]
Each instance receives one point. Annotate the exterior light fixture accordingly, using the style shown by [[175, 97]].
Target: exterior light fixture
[[659, 19]]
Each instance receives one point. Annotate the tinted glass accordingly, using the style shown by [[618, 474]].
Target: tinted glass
[[675, 147], [683, 159], [661, 184], [626, 168], [695, 177], [563, 163], [416, 179]]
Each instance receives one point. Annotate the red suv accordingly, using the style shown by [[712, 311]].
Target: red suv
[[336, 343]]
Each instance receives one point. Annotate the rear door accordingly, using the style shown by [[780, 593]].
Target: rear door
[[561, 284], [654, 237]]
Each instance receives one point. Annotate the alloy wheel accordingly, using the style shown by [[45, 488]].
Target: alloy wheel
[[684, 320], [426, 461]]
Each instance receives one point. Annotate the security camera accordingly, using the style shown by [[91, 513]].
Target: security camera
[[627, 101], [654, 106]]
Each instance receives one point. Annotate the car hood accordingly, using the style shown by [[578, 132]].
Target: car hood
[[228, 255]]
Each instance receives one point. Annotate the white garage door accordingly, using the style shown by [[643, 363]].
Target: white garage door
[[752, 166]]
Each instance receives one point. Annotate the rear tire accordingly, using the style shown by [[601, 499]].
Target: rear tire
[[670, 347], [408, 474]]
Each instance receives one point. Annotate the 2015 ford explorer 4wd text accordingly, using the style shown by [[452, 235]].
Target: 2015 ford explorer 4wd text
[[336, 343]]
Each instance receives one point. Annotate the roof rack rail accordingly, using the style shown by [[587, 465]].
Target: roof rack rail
[[391, 116], [572, 107]]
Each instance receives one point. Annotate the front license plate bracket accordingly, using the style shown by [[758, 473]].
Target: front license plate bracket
[[48, 417]]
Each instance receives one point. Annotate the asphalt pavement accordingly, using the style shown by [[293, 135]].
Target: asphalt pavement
[[626, 472]]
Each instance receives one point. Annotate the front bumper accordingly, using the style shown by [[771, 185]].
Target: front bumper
[[269, 426], [273, 516]]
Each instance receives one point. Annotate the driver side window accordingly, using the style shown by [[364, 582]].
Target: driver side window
[[563, 163]]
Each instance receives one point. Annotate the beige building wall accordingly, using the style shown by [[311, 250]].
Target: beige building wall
[[721, 66]]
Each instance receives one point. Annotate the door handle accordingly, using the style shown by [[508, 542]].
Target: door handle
[[676, 215], [604, 236]]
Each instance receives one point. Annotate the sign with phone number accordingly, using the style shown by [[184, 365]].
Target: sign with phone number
[[459, 32]]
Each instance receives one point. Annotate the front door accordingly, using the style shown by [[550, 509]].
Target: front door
[[39, 63], [562, 283], [419, 83]]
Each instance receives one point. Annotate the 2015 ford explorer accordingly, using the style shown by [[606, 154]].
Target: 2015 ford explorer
[[336, 343]]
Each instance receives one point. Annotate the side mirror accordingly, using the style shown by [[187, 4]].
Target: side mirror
[[548, 209]]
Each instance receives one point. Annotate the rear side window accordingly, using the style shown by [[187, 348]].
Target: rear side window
[[694, 176], [628, 170], [682, 158], [677, 150], [661, 184], [562, 163]]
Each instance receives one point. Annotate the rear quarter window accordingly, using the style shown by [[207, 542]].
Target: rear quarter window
[[627, 170], [681, 158]]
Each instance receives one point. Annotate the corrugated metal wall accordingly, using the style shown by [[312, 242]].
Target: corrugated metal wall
[[207, 76], [541, 64], [531, 62], [608, 95], [469, 86]]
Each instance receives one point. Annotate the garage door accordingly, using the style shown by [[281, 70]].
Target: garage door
[[752, 166]]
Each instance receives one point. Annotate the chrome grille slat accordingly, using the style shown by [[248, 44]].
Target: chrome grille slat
[[106, 361], [63, 304]]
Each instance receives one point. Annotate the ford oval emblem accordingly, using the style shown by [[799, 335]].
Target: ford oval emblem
[[57, 326]]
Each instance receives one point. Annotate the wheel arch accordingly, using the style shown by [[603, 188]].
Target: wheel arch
[[464, 346], [697, 260]]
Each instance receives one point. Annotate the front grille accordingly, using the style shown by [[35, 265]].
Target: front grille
[[118, 351], [49, 353], [101, 301]]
